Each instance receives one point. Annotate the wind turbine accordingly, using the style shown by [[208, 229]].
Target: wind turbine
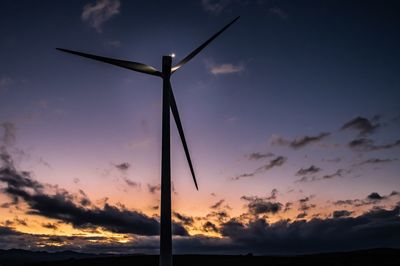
[[167, 103]]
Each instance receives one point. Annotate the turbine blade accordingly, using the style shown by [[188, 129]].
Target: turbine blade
[[139, 67], [201, 47], [175, 113]]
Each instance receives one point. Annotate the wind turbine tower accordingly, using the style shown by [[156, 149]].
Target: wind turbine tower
[[168, 103]]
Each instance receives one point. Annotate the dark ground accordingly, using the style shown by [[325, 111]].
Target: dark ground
[[365, 257]]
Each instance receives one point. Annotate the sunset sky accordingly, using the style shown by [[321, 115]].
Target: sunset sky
[[292, 118]]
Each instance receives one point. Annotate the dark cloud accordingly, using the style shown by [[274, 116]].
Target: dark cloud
[[258, 156], [6, 231], [304, 207], [301, 215], [179, 230], [257, 205], [341, 213], [244, 175], [347, 202], [288, 206], [264, 207], [20, 221], [276, 162], [11, 238], [210, 227], [153, 189], [376, 228], [374, 196], [308, 171], [274, 194], [69, 208], [53, 226], [299, 142], [373, 229], [361, 124], [338, 173], [84, 199], [123, 166], [186, 220], [369, 145], [376, 161], [217, 204], [131, 183], [6, 205], [220, 216]]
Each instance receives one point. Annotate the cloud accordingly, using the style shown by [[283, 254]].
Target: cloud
[[304, 206], [368, 145], [153, 189], [341, 213], [217, 204], [123, 166], [210, 227], [274, 193], [338, 173], [276, 162], [361, 124], [288, 206], [225, 69], [376, 161], [131, 183], [11, 238], [372, 198], [215, 6], [257, 205], [258, 156], [298, 142], [308, 171], [53, 226], [220, 215], [76, 210], [373, 229], [264, 207], [243, 176], [100, 12], [186, 220]]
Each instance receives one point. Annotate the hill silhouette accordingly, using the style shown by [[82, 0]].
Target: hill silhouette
[[362, 257]]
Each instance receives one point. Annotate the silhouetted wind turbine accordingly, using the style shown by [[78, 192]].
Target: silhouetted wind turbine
[[168, 102]]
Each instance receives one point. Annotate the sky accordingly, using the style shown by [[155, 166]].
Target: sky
[[292, 118]]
